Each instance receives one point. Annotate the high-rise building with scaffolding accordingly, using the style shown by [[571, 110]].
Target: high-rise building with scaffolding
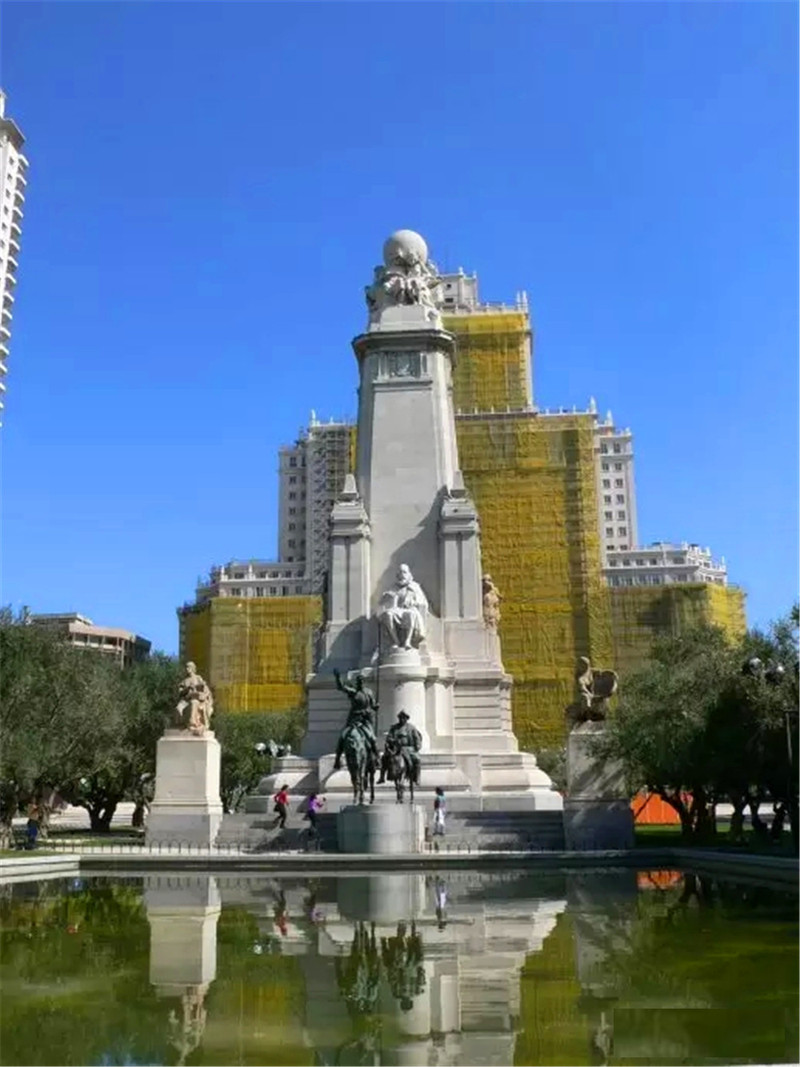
[[555, 494]]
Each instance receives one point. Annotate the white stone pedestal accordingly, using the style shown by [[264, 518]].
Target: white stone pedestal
[[186, 806], [597, 812], [385, 829]]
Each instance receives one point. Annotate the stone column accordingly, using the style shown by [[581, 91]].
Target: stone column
[[460, 554]]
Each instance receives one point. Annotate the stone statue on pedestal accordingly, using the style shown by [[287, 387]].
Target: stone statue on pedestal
[[406, 278], [195, 703], [402, 612], [491, 603], [593, 690]]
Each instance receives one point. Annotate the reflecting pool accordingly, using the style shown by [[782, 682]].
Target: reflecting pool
[[461, 967]]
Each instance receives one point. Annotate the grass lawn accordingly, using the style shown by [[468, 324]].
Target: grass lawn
[[663, 835]]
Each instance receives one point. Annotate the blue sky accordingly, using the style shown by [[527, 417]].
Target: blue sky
[[209, 188]]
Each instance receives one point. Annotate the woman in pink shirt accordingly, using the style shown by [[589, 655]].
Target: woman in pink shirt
[[281, 799]]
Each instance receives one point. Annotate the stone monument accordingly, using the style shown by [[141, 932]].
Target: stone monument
[[408, 603], [597, 813], [187, 807]]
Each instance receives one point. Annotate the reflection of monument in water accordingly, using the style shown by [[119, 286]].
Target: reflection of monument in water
[[401, 977], [406, 590], [183, 914]]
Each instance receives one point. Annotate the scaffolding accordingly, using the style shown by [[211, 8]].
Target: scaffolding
[[255, 653], [533, 481], [639, 615], [493, 360]]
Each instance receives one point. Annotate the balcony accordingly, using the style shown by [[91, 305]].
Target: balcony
[[16, 229], [19, 196], [3, 372], [5, 333], [16, 214], [8, 298]]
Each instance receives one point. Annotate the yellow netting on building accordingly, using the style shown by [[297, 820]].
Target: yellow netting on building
[[641, 614], [255, 653], [493, 361], [533, 481]]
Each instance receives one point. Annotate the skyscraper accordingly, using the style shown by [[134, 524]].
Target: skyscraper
[[13, 168]]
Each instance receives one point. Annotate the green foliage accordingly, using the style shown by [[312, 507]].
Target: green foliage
[[553, 762], [242, 765], [73, 723], [697, 729]]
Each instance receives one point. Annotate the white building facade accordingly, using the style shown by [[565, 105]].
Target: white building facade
[[13, 181], [663, 563]]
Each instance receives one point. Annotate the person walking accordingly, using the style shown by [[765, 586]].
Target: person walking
[[438, 812], [281, 799], [313, 808], [32, 827]]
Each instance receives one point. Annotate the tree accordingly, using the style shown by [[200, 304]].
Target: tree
[[697, 727], [56, 716], [143, 697], [242, 765]]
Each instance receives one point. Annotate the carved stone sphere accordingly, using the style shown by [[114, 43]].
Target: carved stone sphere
[[404, 247]]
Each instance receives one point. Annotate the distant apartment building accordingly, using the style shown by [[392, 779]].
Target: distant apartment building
[[13, 170], [664, 564], [80, 631], [616, 488]]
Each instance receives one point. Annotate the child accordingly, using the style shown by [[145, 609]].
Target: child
[[281, 799], [438, 812]]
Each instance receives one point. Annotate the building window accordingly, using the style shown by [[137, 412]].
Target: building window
[[239, 575], [617, 466], [613, 563], [292, 461], [607, 499], [617, 448], [293, 496], [623, 531], [604, 466], [626, 563], [292, 479], [654, 562], [620, 514], [261, 574], [606, 483], [623, 548], [292, 525], [618, 482], [609, 514], [620, 498], [640, 562], [292, 543], [604, 449], [292, 511], [609, 531], [285, 590]]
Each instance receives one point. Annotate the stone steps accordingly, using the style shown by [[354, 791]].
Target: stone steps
[[490, 831]]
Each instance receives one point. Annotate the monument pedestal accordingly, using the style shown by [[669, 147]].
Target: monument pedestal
[[186, 807], [597, 812], [384, 829]]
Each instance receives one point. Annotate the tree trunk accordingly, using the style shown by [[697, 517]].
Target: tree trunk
[[139, 812], [736, 830], [676, 801], [100, 816], [759, 826], [6, 833], [778, 819]]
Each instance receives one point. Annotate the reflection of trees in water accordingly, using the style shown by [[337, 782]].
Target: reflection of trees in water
[[358, 975], [674, 947]]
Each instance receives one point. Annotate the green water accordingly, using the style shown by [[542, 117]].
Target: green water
[[462, 968]]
